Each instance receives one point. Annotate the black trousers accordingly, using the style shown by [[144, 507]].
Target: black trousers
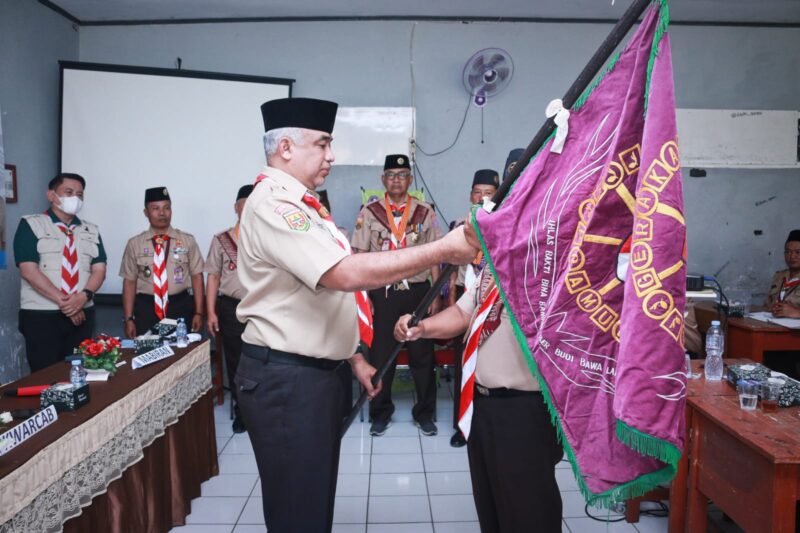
[[230, 330], [180, 306], [458, 348], [50, 335], [293, 416], [513, 451], [388, 308]]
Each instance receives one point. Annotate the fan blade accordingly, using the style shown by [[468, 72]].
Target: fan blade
[[495, 60], [478, 65], [503, 73], [475, 82]]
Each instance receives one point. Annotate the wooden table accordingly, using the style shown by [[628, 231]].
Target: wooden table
[[746, 462], [738, 459], [697, 388], [132, 459], [747, 337]]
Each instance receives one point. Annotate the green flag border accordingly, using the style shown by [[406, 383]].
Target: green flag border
[[647, 445]]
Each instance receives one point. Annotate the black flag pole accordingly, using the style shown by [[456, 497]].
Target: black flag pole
[[577, 88]]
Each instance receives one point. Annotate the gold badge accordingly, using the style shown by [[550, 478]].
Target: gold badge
[[496, 180], [166, 192], [359, 222], [147, 272], [401, 161], [380, 241]]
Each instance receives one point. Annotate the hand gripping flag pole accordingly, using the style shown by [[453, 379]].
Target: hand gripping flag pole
[[577, 88]]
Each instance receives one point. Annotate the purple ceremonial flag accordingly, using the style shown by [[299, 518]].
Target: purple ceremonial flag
[[589, 253]]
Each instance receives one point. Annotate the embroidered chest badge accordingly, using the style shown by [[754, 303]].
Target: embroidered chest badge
[[294, 217]]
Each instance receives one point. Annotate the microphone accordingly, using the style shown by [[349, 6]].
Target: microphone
[[33, 390]]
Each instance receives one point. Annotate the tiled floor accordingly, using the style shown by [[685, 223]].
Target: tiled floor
[[403, 482]]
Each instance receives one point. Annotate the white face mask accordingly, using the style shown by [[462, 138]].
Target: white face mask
[[71, 205]]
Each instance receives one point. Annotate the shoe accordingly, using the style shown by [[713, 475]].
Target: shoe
[[238, 425], [427, 427], [379, 427], [458, 440]]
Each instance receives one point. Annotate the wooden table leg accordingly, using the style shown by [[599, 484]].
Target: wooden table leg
[[784, 498], [677, 492], [697, 516]]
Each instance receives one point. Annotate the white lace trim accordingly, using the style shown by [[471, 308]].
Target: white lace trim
[[64, 498]]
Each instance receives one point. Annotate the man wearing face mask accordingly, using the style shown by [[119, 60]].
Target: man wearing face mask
[[62, 263], [158, 267]]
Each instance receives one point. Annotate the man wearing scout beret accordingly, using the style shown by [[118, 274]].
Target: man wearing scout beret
[[158, 267], [783, 298], [396, 221], [223, 294], [305, 309], [484, 185], [62, 263]]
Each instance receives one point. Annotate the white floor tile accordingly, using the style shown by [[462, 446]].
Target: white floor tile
[[250, 528], [239, 444], [349, 528], [354, 464], [350, 510], [400, 528], [563, 464], [223, 429], [400, 429], [587, 525], [399, 509], [396, 463], [257, 489], [358, 428], [211, 510], [229, 485], [356, 445], [457, 527], [352, 485], [566, 480], [446, 462], [396, 445], [449, 483], [398, 485], [221, 443], [253, 512], [573, 505], [441, 443], [237, 464], [202, 528], [453, 508], [652, 524]]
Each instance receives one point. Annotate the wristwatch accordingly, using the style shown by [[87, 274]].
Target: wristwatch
[[132, 317], [89, 295]]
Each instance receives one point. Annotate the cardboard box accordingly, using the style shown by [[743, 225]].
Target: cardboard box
[[65, 397]]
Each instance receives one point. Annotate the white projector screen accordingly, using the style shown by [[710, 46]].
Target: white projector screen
[[126, 129]]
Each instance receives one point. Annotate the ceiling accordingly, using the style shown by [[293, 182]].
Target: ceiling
[[91, 12]]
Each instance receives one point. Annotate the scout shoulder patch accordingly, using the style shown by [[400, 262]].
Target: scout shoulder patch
[[294, 217]]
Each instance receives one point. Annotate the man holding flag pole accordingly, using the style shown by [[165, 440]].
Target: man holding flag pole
[[606, 352]]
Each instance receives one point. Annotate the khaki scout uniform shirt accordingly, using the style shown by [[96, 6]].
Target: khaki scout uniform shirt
[[284, 249], [500, 360], [461, 280], [183, 261], [220, 264], [372, 235], [774, 295]]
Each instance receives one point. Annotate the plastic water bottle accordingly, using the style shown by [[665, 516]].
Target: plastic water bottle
[[715, 345], [77, 375], [181, 335]]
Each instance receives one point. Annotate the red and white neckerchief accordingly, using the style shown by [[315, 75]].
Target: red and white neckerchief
[[69, 260], [788, 286], [397, 225], [364, 312], [160, 282], [486, 321]]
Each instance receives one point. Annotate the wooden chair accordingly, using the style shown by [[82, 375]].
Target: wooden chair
[[632, 509]]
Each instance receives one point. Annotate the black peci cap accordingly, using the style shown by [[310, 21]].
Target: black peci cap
[[156, 194], [244, 192], [513, 157], [307, 113], [396, 161], [486, 176], [794, 235]]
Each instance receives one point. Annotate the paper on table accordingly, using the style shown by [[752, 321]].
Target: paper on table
[[97, 374], [766, 316]]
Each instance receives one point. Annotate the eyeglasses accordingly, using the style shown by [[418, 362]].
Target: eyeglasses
[[396, 175]]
